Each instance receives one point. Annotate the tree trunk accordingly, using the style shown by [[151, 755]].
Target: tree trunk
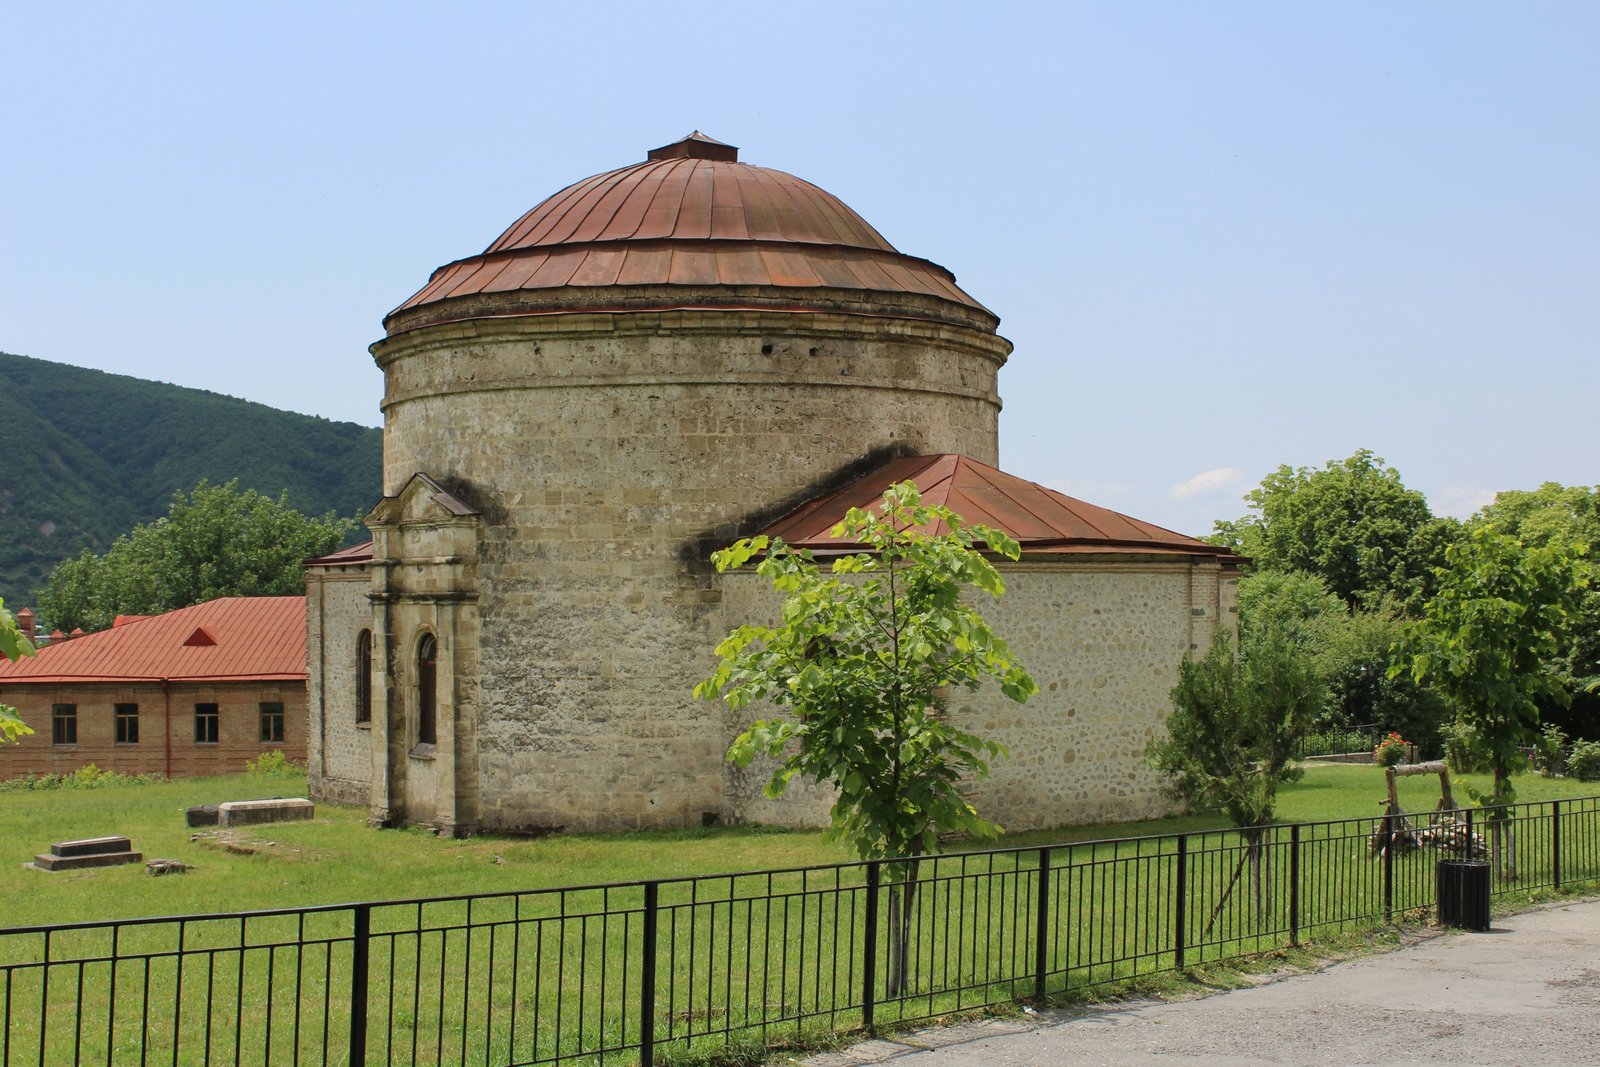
[[902, 907], [1262, 886]]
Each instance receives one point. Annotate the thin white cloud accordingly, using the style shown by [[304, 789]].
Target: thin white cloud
[[1208, 483], [1460, 500]]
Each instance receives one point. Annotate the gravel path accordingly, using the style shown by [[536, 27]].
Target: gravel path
[[1526, 992]]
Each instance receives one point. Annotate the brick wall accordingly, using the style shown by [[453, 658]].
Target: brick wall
[[238, 721]]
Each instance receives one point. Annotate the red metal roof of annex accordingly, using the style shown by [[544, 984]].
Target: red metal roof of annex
[[234, 639], [1041, 519]]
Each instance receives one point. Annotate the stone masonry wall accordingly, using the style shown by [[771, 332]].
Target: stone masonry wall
[[608, 455], [1102, 638], [338, 749], [1104, 641]]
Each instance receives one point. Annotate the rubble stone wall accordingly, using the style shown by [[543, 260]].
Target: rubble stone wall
[[339, 747], [1103, 638]]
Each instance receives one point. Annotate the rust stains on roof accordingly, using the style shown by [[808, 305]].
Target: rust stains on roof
[[234, 639], [1041, 519], [687, 216]]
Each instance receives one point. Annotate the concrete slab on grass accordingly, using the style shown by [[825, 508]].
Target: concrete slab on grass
[[255, 812]]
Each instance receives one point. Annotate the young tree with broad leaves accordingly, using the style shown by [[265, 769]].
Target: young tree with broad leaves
[[1487, 640], [860, 661], [1561, 514]]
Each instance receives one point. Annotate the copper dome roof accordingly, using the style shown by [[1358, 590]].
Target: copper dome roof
[[690, 215]]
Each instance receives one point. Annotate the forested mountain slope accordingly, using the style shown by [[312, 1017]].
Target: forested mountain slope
[[86, 455]]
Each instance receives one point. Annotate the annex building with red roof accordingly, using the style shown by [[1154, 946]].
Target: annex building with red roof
[[648, 364], [196, 691]]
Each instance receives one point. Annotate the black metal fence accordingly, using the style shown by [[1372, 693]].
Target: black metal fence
[[621, 972], [1337, 741]]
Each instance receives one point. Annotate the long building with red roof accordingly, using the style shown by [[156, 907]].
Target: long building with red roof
[[196, 691]]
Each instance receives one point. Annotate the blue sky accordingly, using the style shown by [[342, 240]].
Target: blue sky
[[1221, 236]]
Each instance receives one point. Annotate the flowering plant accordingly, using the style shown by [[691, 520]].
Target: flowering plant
[[1391, 751]]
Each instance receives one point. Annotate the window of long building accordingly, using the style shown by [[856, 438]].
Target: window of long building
[[427, 690], [272, 722], [64, 724], [127, 719], [206, 724], [364, 677]]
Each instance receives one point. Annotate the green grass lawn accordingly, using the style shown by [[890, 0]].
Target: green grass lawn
[[336, 858]]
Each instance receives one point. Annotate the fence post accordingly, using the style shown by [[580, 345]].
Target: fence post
[[869, 954], [1555, 843], [1041, 925], [1294, 884], [647, 974], [1182, 894], [1389, 823], [360, 958]]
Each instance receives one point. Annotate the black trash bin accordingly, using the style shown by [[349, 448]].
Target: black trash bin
[[1464, 894]]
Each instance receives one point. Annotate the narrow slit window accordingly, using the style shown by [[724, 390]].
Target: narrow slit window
[[427, 690], [364, 677]]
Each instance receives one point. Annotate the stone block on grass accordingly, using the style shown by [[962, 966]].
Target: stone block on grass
[[256, 812]]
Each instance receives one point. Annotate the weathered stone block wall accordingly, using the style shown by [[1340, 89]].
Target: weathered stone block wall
[[1102, 638], [166, 742], [1104, 641], [609, 454], [339, 748], [425, 582]]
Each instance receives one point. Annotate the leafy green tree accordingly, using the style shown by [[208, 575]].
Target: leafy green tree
[[861, 660], [13, 646], [215, 542], [1557, 514], [1358, 661], [1235, 722], [1486, 638], [1352, 523], [1233, 731], [1294, 604], [1351, 651]]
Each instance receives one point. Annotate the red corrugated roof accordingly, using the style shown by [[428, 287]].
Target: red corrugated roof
[[354, 554], [251, 639], [1040, 518], [690, 215]]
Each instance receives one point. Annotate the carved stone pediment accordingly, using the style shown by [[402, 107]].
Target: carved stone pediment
[[423, 500]]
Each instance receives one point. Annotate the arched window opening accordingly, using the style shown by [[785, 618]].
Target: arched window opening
[[364, 676], [427, 690]]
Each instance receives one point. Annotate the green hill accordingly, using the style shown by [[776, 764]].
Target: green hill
[[85, 456]]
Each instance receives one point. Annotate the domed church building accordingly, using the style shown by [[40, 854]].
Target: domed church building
[[647, 365]]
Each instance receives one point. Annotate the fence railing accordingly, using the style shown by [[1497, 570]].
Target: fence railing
[[620, 972], [1337, 741]]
